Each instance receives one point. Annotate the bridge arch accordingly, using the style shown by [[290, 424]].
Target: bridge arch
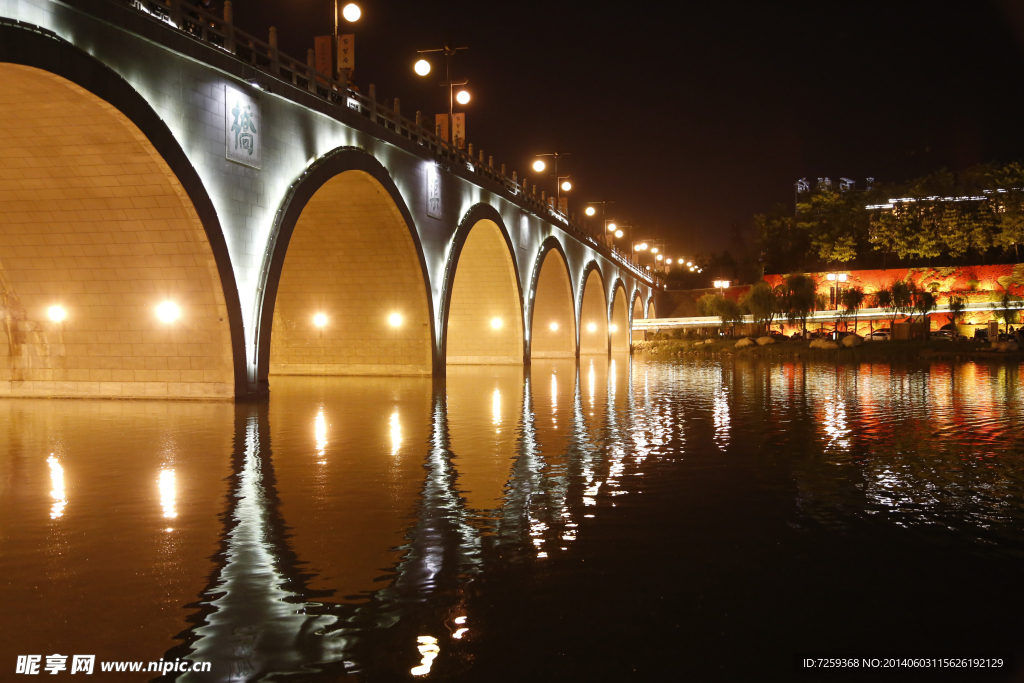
[[618, 317], [637, 310], [651, 309], [105, 218], [483, 297], [593, 325], [344, 247], [551, 308]]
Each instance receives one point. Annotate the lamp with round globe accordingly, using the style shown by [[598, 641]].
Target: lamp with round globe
[[422, 67], [590, 211], [351, 12], [462, 97]]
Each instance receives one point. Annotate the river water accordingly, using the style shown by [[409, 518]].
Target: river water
[[615, 520]]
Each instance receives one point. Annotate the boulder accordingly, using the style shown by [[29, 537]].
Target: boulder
[[826, 344], [709, 341], [852, 340], [744, 343], [764, 341]]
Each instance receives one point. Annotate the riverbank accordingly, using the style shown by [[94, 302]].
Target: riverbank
[[795, 348]]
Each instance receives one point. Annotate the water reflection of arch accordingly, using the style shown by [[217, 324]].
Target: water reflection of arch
[[162, 189], [476, 288], [340, 189], [593, 311], [552, 299]]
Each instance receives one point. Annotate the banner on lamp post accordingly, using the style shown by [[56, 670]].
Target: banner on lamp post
[[459, 130], [323, 53], [347, 51]]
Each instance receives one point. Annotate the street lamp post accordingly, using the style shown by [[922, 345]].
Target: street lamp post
[[539, 167], [423, 68]]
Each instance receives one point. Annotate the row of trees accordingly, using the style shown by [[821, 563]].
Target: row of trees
[[984, 218]]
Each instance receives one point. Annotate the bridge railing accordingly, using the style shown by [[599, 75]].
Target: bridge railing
[[220, 32]]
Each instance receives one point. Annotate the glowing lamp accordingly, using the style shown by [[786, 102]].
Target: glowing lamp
[[496, 323], [168, 312], [842, 277], [668, 261], [831, 276], [539, 166], [613, 328], [554, 327], [660, 257], [351, 12], [395, 320], [462, 97], [654, 250], [619, 233], [591, 327], [422, 67], [319, 319], [590, 211], [56, 313], [566, 186], [612, 227]]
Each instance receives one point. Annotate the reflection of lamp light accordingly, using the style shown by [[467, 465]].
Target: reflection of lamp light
[[60, 499], [396, 433], [428, 649], [168, 493]]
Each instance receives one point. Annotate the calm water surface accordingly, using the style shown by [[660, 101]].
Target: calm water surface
[[616, 520]]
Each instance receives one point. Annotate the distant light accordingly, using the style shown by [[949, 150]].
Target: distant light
[[351, 12], [590, 211], [459, 633], [660, 257], [168, 312], [831, 276], [668, 261], [654, 250], [842, 277], [613, 328], [395, 320], [462, 97], [554, 327], [319, 319], [689, 263], [591, 327], [539, 165], [566, 186], [612, 227], [643, 246], [422, 67], [56, 313], [619, 233], [496, 323]]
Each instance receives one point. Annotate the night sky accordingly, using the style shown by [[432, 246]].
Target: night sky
[[692, 118]]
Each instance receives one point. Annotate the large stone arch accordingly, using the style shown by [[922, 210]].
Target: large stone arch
[[637, 312], [651, 309], [344, 246], [106, 218], [618, 318], [483, 298], [552, 312], [593, 317]]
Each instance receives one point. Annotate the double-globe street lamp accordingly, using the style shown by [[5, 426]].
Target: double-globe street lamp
[[422, 68]]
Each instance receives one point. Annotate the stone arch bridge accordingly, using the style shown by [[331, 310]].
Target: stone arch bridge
[[187, 212]]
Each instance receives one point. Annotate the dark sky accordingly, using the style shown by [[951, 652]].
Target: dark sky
[[692, 117]]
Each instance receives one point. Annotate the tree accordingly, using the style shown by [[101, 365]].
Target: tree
[[852, 300], [924, 303], [835, 222], [762, 303], [800, 299], [781, 247], [729, 311], [883, 300], [957, 305], [903, 297], [1007, 309], [707, 305]]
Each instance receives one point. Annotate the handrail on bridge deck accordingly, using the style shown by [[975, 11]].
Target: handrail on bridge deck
[[221, 33]]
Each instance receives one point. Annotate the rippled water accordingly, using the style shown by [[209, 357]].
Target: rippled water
[[619, 519]]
